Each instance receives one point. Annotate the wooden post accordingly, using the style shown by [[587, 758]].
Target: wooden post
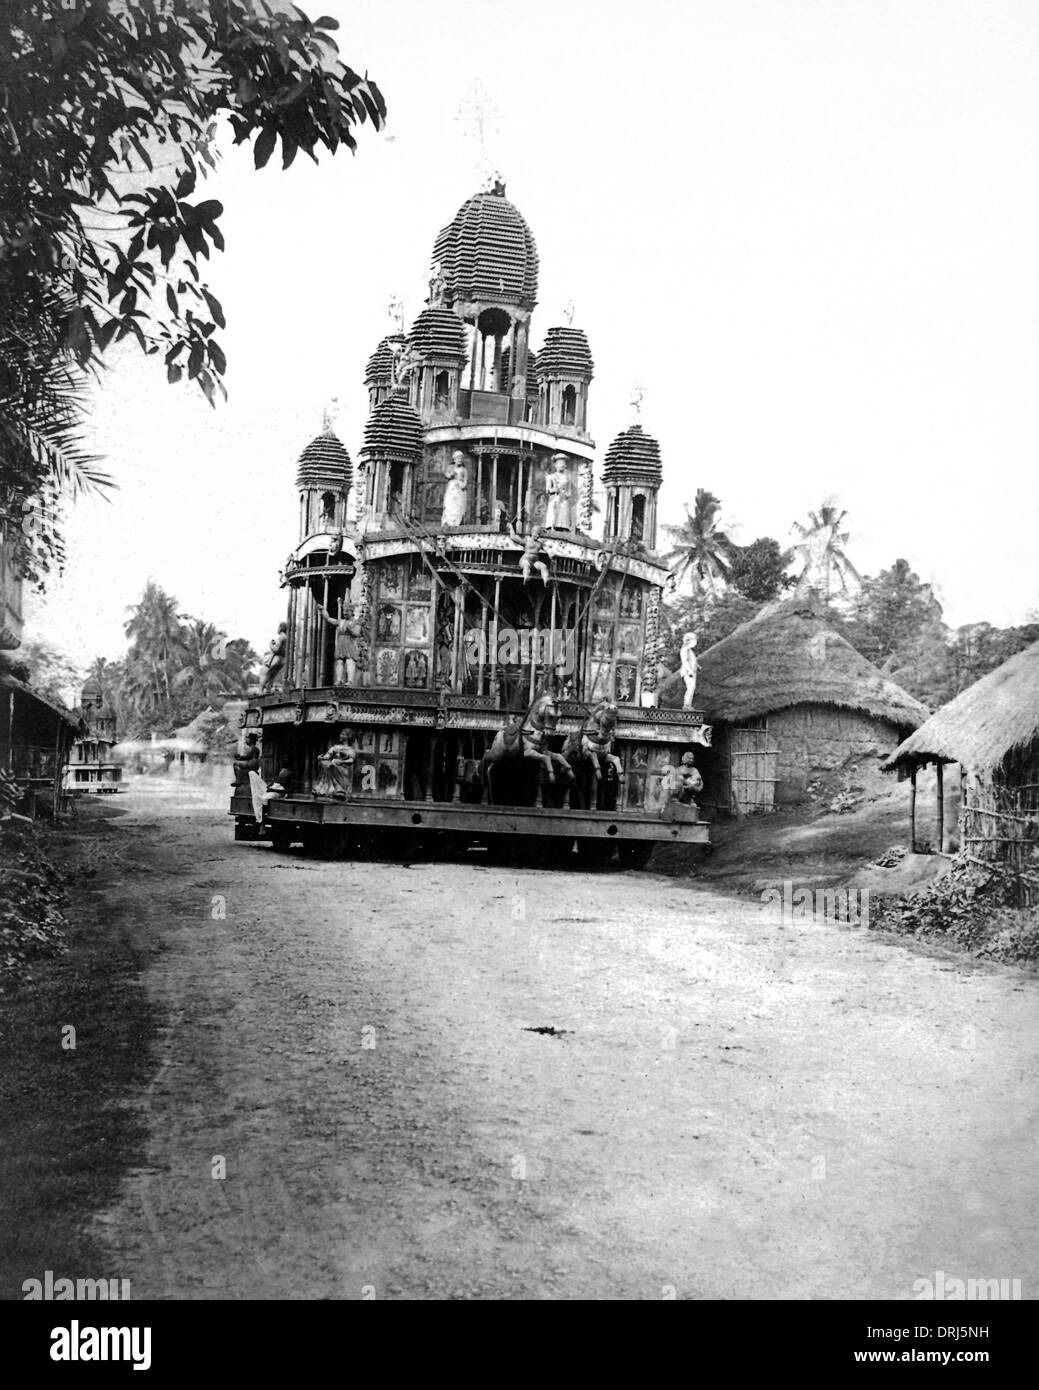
[[429, 766], [323, 677], [456, 651], [481, 685], [493, 654], [57, 770], [553, 614], [940, 774], [912, 812]]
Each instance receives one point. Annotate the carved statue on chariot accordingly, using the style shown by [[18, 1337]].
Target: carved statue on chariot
[[346, 649], [559, 489], [527, 738], [335, 767], [534, 555], [456, 495], [690, 668], [275, 660]]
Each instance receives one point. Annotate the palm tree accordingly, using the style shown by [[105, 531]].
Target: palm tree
[[701, 551], [156, 636], [821, 548], [201, 665]]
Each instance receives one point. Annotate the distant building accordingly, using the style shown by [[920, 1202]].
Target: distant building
[[35, 733], [90, 767]]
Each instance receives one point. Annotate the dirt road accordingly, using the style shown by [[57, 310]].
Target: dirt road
[[349, 1101]]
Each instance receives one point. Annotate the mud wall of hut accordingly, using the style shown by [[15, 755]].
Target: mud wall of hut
[[809, 741], [814, 739]]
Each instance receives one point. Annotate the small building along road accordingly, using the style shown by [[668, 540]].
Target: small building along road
[[456, 1081]]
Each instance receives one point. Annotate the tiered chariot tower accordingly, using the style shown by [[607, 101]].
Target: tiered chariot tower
[[451, 587]]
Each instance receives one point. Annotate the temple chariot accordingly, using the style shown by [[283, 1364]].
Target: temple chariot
[[462, 657]]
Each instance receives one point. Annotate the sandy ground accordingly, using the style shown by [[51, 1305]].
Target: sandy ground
[[731, 1107]]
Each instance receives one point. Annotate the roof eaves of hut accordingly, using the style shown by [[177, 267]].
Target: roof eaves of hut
[[985, 722]]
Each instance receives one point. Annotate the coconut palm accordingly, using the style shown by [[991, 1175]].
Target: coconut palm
[[825, 566], [211, 666], [701, 551], [156, 636]]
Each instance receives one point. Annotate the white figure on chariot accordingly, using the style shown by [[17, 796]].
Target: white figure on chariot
[[690, 668], [559, 488], [457, 492]]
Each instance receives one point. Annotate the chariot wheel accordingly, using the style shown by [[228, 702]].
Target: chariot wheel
[[636, 854], [281, 839]]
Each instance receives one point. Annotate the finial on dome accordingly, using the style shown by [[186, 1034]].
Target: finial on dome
[[395, 309], [637, 394], [569, 312], [329, 414]]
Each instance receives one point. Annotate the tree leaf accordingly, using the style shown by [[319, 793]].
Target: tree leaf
[[215, 307], [264, 147]]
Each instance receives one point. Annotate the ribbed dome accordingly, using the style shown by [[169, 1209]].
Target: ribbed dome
[[566, 350], [487, 253], [438, 333], [324, 463], [532, 372], [634, 456], [393, 431], [379, 371]]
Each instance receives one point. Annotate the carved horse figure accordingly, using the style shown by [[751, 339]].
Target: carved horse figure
[[584, 764], [528, 738], [602, 729], [594, 745]]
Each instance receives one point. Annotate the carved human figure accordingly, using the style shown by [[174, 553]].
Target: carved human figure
[[559, 488], [335, 768], [686, 781], [247, 761], [275, 659], [345, 652], [531, 559], [456, 494], [689, 667]]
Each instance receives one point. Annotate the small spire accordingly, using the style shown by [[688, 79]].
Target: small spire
[[637, 394], [329, 414], [569, 312], [395, 309]]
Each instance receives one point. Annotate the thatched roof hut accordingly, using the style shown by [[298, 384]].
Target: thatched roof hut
[[789, 655], [984, 723], [791, 698], [992, 731]]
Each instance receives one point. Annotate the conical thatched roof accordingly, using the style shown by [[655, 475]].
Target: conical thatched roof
[[984, 723], [789, 655]]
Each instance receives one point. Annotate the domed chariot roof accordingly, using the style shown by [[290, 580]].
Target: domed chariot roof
[[393, 431], [324, 463], [438, 333], [486, 253], [634, 456], [566, 350]]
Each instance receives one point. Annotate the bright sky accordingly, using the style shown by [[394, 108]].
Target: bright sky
[[808, 228]]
